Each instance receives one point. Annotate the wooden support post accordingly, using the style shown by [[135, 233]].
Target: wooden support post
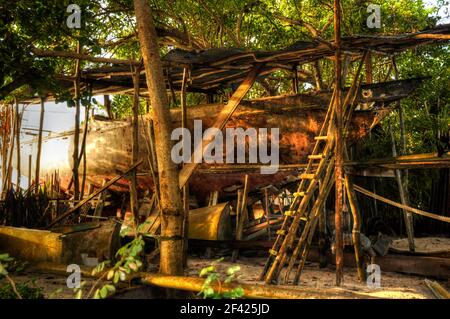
[[369, 71], [185, 188], [39, 146], [295, 79], [318, 76], [339, 146], [221, 121], [83, 149], [18, 125], [12, 140], [30, 176], [135, 147], [402, 177], [107, 102], [266, 200], [356, 231], [239, 219], [76, 140], [100, 201], [404, 199]]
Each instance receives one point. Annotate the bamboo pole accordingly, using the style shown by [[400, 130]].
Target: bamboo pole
[[39, 146], [338, 148], [242, 217]]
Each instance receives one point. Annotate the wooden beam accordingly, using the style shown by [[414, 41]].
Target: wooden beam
[[221, 121], [81, 56]]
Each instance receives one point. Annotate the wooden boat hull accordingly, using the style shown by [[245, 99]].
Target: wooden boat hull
[[299, 119]]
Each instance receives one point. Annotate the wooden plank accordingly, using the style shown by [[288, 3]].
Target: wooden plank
[[221, 120]]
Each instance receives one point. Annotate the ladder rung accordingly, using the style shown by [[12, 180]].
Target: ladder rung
[[304, 218], [300, 194], [281, 232], [316, 157], [308, 176], [289, 213], [321, 138], [273, 252]]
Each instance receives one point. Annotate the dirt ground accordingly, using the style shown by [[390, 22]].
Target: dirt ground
[[423, 245], [393, 285]]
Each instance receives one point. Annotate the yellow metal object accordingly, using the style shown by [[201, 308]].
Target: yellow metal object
[[210, 223]]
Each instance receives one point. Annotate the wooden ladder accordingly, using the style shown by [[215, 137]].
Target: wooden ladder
[[314, 187]]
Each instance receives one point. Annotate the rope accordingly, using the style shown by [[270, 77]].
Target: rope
[[404, 207]]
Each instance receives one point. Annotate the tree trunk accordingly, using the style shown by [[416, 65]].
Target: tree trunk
[[171, 248]]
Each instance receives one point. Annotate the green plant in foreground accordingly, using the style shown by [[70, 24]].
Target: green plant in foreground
[[12, 290], [214, 277], [128, 262]]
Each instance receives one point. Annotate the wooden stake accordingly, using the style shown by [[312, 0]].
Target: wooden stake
[[39, 146]]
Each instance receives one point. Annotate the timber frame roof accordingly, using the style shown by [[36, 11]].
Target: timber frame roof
[[215, 69]]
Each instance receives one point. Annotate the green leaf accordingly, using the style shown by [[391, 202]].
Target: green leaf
[[103, 292], [207, 270], [111, 289], [232, 270], [110, 274], [116, 277]]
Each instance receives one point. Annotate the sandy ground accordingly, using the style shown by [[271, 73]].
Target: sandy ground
[[423, 245], [393, 285]]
